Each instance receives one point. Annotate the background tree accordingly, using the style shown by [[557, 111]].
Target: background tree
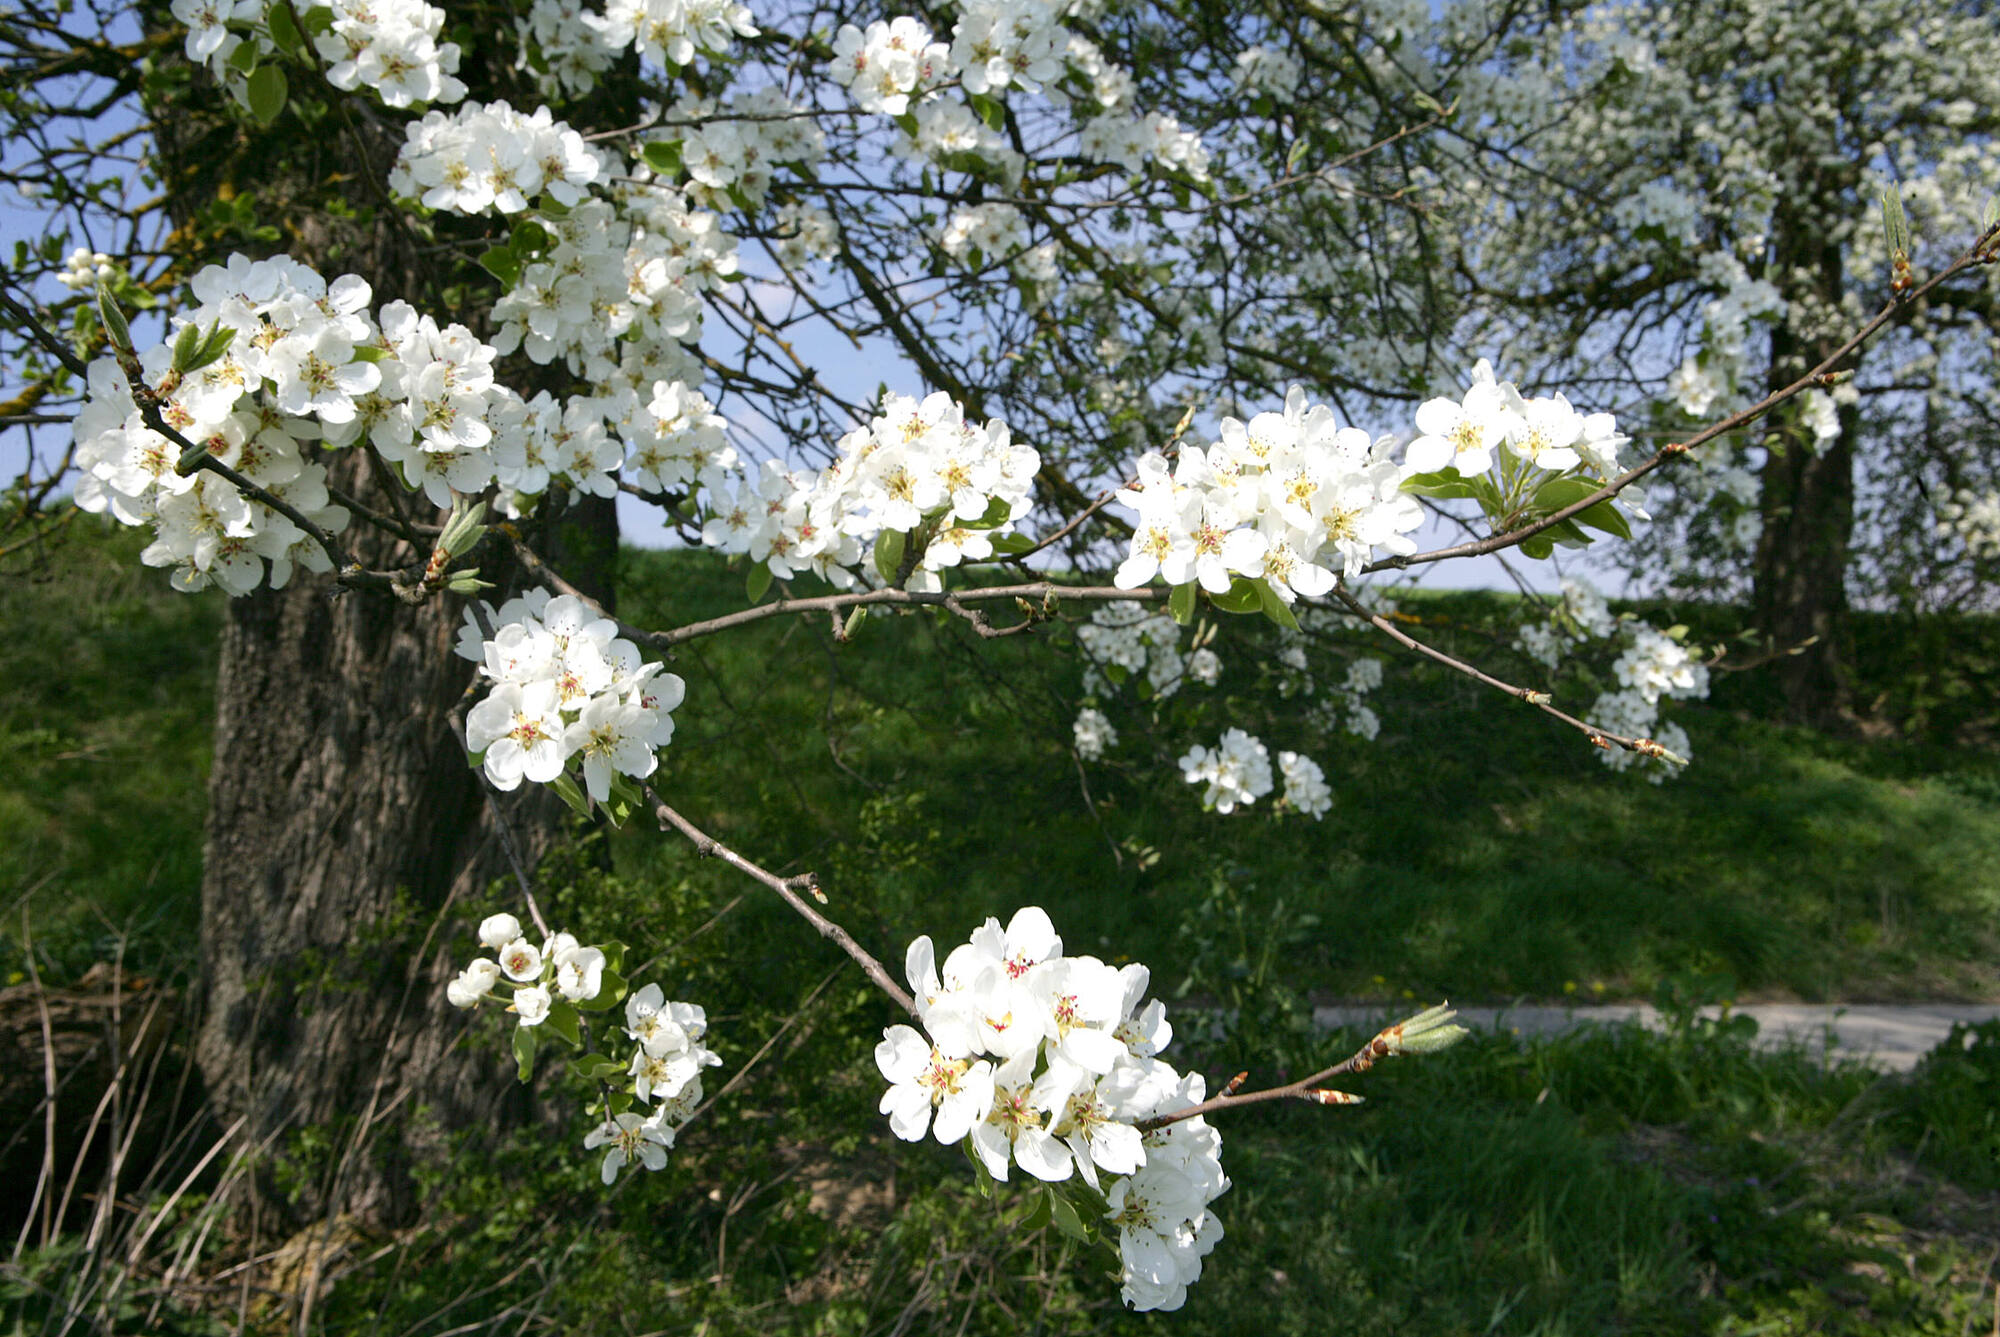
[[1685, 202]]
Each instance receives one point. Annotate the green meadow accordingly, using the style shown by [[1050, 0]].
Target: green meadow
[[1603, 1182]]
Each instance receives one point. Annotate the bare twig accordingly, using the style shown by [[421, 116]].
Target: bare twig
[[788, 888], [1539, 700]]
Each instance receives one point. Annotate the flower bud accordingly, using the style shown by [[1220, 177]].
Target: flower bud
[[496, 931]]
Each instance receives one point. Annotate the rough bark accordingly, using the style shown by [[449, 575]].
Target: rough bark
[[347, 840], [347, 843], [1800, 604], [1799, 578]]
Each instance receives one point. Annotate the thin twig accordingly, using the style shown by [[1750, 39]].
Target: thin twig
[[788, 888]]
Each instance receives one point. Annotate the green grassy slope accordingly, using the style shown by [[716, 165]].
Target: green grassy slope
[[1474, 849], [1610, 1183]]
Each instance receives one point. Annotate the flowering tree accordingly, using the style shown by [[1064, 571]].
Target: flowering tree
[[1085, 354], [1675, 210]]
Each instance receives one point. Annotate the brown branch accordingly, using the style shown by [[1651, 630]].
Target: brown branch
[[1389, 1042], [1645, 747], [1037, 590], [788, 888]]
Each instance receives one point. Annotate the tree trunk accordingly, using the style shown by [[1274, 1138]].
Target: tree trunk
[[1799, 591], [348, 843], [1800, 596], [348, 846]]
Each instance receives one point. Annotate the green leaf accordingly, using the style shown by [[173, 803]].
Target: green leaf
[[1445, 483], [907, 123], [267, 93], [1181, 603], [758, 583], [1012, 545], [981, 1180], [1539, 547], [599, 1068], [530, 239], [991, 111], [562, 1020], [113, 318], [1568, 535], [283, 30], [1296, 156], [1063, 1212], [244, 58], [502, 264], [317, 20], [890, 545], [185, 344], [1565, 491], [997, 512], [1605, 516], [369, 353], [218, 342], [1038, 1212], [566, 790], [1276, 608], [1240, 597], [524, 1050], [853, 623], [663, 156]]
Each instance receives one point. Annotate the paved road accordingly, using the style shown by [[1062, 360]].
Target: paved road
[[1892, 1036]]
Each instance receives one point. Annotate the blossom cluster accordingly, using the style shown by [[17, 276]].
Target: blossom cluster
[[672, 31], [309, 362], [1544, 432], [1132, 141], [84, 268], [549, 984], [991, 230], [388, 47], [561, 49], [479, 158], [896, 66], [391, 48], [1578, 614], [1051, 1063], [1284, 498], [1237, 772], [1092, 733], [289, 375], [804, 233], [735, 144], [1122, 640], [1652, 666], [566, 687], [617, 295], [1973, 517], [919, 469]]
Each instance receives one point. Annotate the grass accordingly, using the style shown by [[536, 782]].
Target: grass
[[1605, 1182], [1474, 849], [107, 697]]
